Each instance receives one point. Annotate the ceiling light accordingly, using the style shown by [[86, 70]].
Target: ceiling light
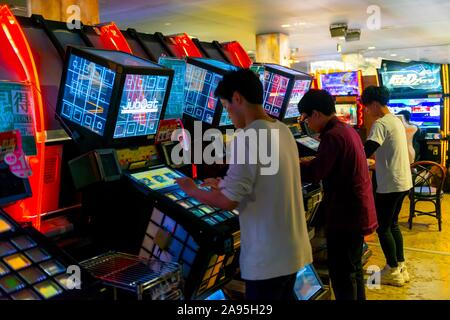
[[371, 48], [285, 25], [341, 38], [393, 54]]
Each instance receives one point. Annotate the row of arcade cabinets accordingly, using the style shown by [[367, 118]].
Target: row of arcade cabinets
[[137, 207], [33, 59]]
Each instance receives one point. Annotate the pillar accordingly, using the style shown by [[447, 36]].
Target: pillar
[[65, 10], [273, 48]]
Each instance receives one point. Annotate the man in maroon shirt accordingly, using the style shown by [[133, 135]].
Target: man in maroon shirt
[[348, 203]]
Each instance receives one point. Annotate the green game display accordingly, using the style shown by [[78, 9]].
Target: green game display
[[16, 113]]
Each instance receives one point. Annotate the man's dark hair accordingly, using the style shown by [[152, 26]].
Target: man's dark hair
[[406, 114], [377, 94], [244, 81], [319, 100]]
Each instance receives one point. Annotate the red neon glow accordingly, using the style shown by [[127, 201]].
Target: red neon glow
[[237, 54], [19, 59], [112, 38], [184, 46]]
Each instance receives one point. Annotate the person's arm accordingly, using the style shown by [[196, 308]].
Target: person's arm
[[322, 165], [370, 147], [375, 139], [226, 193], [214, 198]]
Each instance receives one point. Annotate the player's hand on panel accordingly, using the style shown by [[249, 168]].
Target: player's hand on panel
[[211, 182], [187, 185]]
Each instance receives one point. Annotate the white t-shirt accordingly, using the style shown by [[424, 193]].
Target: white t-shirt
[[274, 237], [392, 160]]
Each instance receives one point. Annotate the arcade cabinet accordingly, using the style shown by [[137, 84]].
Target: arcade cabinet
[[417, 87], [148, 46], [346, 87], [31, 268]]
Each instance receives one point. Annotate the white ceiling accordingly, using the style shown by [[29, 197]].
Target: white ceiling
[[410, 29]]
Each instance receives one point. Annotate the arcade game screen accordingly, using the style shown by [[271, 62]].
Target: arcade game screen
[[275, 88], [425, 113], [225, 119], [309, 142], [174, 108], [299, 90], [200, 86], [340, 83], [141, 105], [16, 113], [307, 283], [156, 179], [87, 94], [347, 113]]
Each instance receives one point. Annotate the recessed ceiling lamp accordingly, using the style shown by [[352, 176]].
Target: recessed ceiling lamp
[[393, 54], [371, 48], [285, 25]]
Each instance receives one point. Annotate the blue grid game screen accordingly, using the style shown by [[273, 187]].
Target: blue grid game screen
[[141, 105], [200, 86], [87, 94], [175, 105]]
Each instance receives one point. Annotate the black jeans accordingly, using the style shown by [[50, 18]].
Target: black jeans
[[388, 208], [280, 288], [345, 265]]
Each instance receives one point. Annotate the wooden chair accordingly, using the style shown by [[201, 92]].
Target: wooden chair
[[428, 180]]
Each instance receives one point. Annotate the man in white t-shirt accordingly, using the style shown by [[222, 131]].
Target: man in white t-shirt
[[387, 139], [274, 238]]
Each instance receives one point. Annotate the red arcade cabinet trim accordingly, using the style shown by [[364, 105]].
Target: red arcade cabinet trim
[[112, 38], [20, 59], [184, 46], [237, 54]]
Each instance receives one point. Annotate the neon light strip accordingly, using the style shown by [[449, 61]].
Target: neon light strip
[[10, 26]]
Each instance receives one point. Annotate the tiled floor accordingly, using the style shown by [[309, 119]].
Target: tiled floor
[[427, 253]]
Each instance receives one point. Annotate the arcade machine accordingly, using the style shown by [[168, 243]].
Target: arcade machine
[[346, 87], [31, 268], [212, 50], [236, 54], [148, 46], [417, 87], [161, 221]]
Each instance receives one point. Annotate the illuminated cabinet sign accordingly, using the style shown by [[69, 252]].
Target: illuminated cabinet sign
[[413, 78]]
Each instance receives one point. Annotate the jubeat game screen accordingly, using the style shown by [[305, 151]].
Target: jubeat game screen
[[141, 105], [299, 90], [275, 88], [174, 108], [87, 94], [200, 86]]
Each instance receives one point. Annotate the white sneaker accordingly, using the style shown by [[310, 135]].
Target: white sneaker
[[404, 271], [392, 276]]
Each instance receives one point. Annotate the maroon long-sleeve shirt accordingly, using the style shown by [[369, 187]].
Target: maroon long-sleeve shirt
[[342, 166]]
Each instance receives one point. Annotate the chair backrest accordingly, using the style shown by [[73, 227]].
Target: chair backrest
[[428, 177]]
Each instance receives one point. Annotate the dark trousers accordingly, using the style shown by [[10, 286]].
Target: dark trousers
[[345, 265], [388, 208], [280, 288]]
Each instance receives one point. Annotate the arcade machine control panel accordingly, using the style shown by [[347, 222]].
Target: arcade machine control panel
[[32, 269]]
